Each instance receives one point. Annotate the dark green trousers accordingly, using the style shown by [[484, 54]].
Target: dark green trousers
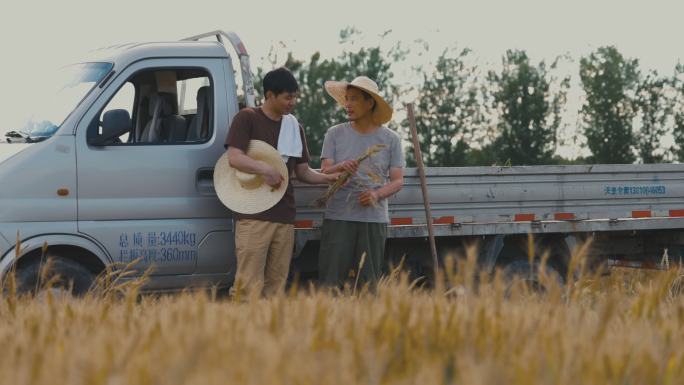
[[342, 245]]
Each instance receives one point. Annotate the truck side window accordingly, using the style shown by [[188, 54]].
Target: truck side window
[[166, 106], [196, 107], [188, 94]]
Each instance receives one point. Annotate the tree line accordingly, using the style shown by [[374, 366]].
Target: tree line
[[467, 116]]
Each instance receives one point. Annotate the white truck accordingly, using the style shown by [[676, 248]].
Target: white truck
[[15, 137], [127, 174]]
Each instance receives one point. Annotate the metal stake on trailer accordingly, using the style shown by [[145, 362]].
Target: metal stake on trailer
[[423, 185]]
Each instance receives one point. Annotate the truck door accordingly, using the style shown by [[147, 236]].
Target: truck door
[[147, 193]]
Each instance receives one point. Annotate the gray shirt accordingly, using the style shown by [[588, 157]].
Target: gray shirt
[[342, 143]]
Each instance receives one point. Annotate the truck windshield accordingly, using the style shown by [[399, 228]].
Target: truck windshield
[[66, 90]]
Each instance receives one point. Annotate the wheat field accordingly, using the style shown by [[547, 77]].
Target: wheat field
[[625, 328]]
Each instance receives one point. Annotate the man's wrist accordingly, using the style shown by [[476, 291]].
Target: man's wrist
[[263, 168]]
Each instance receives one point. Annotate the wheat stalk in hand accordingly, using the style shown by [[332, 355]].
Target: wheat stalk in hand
[[344, 177]]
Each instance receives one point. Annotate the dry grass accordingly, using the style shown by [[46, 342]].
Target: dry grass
[[623, 329]]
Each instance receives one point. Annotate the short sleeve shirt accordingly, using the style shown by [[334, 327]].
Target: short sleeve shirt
[[342, 143], [252, 123]]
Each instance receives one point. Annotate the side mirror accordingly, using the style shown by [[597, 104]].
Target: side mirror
[[114, 124]]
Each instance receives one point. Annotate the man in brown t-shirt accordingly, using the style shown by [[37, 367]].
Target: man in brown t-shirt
[[264, 242]]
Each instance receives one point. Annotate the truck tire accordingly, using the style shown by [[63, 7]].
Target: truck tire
[[528, 274], [73, 277]]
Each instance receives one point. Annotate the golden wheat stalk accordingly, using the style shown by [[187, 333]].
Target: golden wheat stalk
[[342, 180], [358, 274]]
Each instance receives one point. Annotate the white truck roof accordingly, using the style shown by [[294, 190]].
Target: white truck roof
[[124, 54]]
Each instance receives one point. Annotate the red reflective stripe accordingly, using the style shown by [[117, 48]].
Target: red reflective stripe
[[241, 48], [402, 221], [303, 224], [641, 214], [564, 216], [444, 220], [524, 217], [677, 213]]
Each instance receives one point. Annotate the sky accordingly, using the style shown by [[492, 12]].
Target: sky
[[38, 37]]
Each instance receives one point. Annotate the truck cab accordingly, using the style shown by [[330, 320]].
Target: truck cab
[[127, 175]]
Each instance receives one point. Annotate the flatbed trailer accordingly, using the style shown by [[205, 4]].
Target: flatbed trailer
[[633, 213]]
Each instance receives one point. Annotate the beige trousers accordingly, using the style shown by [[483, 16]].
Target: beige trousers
[[264, 251]]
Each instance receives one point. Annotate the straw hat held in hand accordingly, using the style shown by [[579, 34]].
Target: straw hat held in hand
[[250, 193]]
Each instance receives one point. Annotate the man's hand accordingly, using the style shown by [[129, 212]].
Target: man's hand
[[350, 166], [271, 176], [240, 161], [369, 198]]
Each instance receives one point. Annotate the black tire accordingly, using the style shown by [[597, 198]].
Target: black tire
[[528, 274], [70, 276]]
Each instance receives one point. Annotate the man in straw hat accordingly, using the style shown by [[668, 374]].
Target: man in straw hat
[[264, 206], [355, 222]]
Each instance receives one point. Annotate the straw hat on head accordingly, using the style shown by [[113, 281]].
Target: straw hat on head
[[248, 193], [383, 111]]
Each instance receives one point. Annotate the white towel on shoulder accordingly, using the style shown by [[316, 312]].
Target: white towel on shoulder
[[289, 139]]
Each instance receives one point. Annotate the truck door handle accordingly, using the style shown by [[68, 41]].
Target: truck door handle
[[204, 181]]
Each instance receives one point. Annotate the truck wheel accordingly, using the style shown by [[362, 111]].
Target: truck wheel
[[528, 274], [72, 277]]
